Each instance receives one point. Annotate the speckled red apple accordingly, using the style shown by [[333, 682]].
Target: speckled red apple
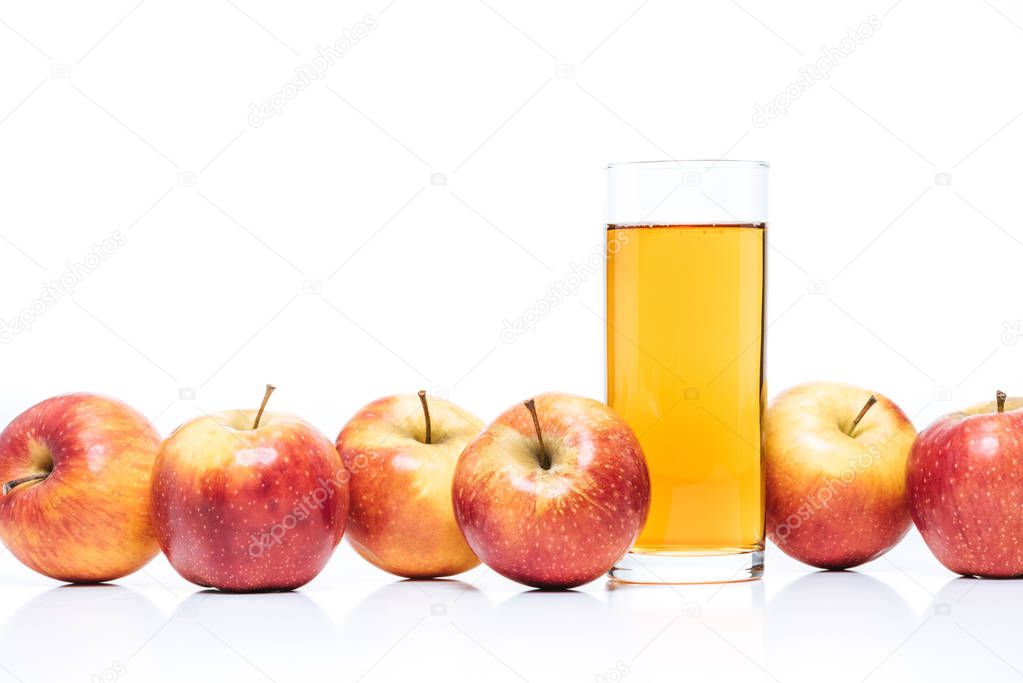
[[835, 460], [965, 483], [76, 471], [554, 492], [401, 452], [244, 501]]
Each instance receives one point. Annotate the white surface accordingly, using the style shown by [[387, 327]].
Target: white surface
[[133, 117], [901, 618]]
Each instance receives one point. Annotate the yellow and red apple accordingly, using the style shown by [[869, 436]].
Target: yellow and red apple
[[965, 482], [76, 475], [244, 501], [835, 459], [401, 452], [553, 492]]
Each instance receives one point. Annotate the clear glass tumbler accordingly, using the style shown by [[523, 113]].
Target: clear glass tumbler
[[685, 360]]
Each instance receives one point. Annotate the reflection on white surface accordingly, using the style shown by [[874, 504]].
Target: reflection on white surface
[[75, 633], [280, 636], [883, 623], [840, 613], [687, 631], [384, 608], [971, 625], [584, 631]]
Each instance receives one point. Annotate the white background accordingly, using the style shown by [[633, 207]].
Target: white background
[[319, 251]]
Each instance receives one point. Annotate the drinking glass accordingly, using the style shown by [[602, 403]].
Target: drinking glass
[[685, 360]]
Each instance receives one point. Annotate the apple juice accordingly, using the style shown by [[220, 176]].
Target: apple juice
[[685, 307]]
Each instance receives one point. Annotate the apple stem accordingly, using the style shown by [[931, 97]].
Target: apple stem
[[1000, 400], [426, 413], [863, 411], [262, 406], [545, 458], [22, 480]]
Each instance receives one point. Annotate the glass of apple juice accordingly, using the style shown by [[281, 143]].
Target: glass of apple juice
[[685, 360]]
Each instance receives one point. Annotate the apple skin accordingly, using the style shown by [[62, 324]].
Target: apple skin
[[835, 501], [561, 527], [401, 517], [88, 521], [965, 483], [245, 510]]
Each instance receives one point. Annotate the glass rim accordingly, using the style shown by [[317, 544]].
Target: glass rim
[[690, 163]]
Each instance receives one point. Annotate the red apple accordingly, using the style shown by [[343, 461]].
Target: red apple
[[965, 482], [244, 501], [835, 459], [401, 452], [553, 493], [75, 503]]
